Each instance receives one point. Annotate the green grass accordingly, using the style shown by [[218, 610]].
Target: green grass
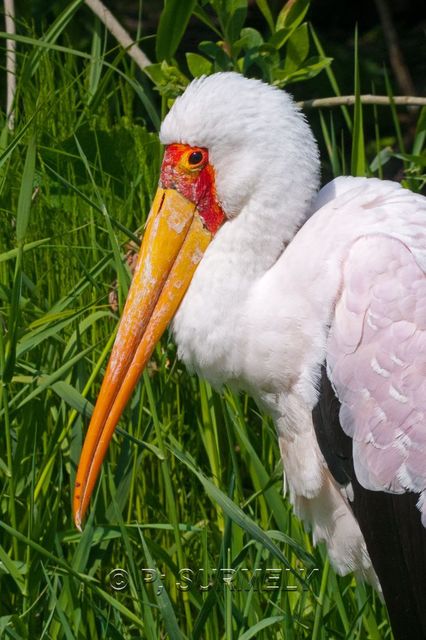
[[193, 478]]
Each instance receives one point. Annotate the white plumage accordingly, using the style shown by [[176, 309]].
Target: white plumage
[[260, 312]]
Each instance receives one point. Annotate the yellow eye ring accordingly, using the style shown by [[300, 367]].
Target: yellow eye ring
[[194, 159]]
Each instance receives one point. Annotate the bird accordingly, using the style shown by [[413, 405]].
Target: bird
[[311, 300]]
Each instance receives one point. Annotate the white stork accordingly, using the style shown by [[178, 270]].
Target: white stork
[[297, 297]]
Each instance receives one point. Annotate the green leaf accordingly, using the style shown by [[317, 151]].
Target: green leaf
[[237, 12], [266, 12], [280, 37], [250, 39], [96, 62], [381, 159], [163, 600], [292, 14], [25, 194], [311, 68], [13, 253], [217, 54], [206, 19], [421, 123], [72, 397], [173, 21], [5, 155], [331, 145], [358, 146], [14, 569], [331, 77], [409, 157], [262, 624], [46, 382], [297, 49], [22, 217], [55, 603], [34, 337], [198, 65]]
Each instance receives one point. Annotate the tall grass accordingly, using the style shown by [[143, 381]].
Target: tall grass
[[189, 534]]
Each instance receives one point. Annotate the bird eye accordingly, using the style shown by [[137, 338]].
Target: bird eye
[[195, 158]]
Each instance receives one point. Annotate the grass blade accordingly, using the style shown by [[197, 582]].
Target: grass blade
[[25, 194], [172, 25], [358, 146]]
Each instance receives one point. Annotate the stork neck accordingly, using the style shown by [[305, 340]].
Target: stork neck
[[254, 240], [209, 327]]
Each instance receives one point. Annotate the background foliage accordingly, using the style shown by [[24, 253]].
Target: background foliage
[[193, 478]]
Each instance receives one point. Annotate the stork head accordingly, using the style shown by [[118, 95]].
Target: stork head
[[227, 140]]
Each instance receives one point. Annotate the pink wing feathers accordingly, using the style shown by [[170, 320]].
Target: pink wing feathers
[[376, 361]]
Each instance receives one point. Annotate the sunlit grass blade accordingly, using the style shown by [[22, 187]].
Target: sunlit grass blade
[[358, 146], [262, 624], [331, 77], [25, 194], [329, 136], [7, 152], [13, 253]]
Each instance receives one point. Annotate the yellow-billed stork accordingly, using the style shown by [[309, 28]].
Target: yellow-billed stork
[[314, 303]]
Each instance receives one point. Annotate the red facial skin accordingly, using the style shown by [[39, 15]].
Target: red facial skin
[[195, 182]]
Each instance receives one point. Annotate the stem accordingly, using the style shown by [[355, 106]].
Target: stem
[[119, 33], [337, 101], [9, 20]]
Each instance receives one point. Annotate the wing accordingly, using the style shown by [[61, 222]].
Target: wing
[[390, 524], [376, 361]]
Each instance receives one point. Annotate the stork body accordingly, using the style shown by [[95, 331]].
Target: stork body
[[270, 329], [293, 296]]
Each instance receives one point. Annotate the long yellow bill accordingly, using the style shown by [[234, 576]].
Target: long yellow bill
[[173, 245]]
